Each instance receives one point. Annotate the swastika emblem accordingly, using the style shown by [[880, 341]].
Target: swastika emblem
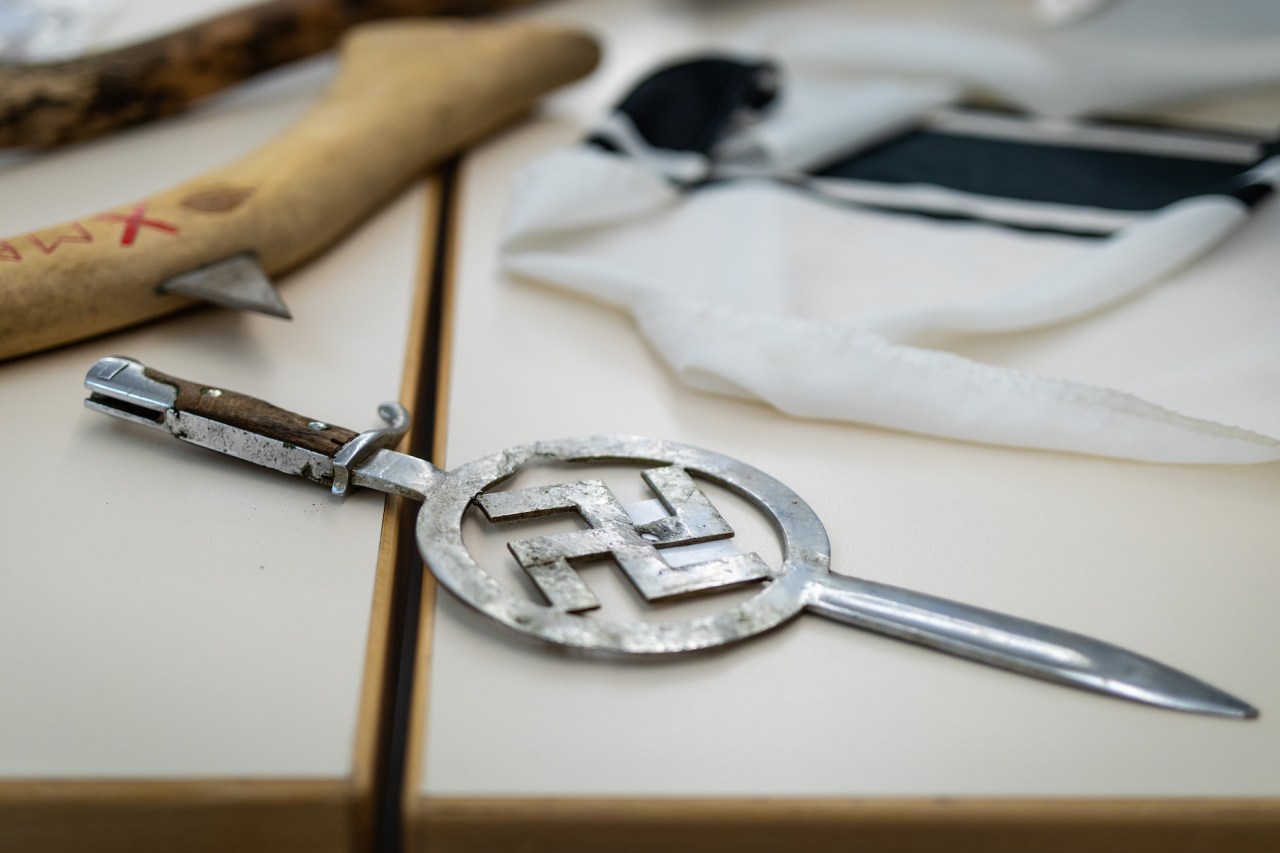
[[636, 548]]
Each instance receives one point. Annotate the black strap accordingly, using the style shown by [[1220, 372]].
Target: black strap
[[691, 106]]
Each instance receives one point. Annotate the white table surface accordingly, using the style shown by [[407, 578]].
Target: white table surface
[[1176, 562], [164, 611]]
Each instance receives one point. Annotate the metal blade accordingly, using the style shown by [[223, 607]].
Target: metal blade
[[237, 282], [397, 473], [1020, 645]]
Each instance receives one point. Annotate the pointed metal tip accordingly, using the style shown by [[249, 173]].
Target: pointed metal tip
[[1227, 706], [1165, 687], [236, 282], [1216, 703], [1244, 711]]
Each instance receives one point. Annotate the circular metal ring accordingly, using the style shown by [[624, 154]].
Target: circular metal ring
[[806, 549]]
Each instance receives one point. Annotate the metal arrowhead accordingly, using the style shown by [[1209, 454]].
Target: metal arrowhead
[[237, 282]]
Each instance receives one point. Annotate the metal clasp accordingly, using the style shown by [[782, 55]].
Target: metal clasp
[[119, 387], [357, 449]]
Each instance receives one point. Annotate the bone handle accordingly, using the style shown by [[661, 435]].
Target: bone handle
[[408, 94]]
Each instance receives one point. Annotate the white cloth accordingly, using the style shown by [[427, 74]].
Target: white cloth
[[752, 289], [1126, 55]]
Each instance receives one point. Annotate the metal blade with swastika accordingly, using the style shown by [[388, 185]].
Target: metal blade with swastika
[[250, 429]]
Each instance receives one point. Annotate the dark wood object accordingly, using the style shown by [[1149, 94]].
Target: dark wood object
[[44, 105], [254, 415]]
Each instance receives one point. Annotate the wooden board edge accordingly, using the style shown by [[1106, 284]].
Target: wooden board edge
[[907, 825], [192, 815], [411, 826], [247, 814], [447, 277], [377, 692]]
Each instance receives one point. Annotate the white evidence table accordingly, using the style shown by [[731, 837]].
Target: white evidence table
[[816, 730]]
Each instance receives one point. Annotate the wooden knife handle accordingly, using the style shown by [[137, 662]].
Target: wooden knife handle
[[48, 104], [254, 415], [408, 94]]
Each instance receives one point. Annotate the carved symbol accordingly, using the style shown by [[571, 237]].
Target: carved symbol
[[134, 220], [611, 533], [81, 235], [9, 252]]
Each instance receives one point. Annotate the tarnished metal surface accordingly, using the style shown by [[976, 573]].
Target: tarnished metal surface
[[612, 533], [440, 539], [397, 474], [396, 418], [258, 449]]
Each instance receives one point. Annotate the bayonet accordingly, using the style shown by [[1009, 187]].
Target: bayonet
[[641, 540]]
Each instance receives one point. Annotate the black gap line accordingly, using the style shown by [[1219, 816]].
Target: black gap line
[[407, 597]]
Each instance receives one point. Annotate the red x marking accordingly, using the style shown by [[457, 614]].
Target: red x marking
[[133, 222]]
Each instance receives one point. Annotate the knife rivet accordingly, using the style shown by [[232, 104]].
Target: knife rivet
[[212, 392], [317, 425]]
